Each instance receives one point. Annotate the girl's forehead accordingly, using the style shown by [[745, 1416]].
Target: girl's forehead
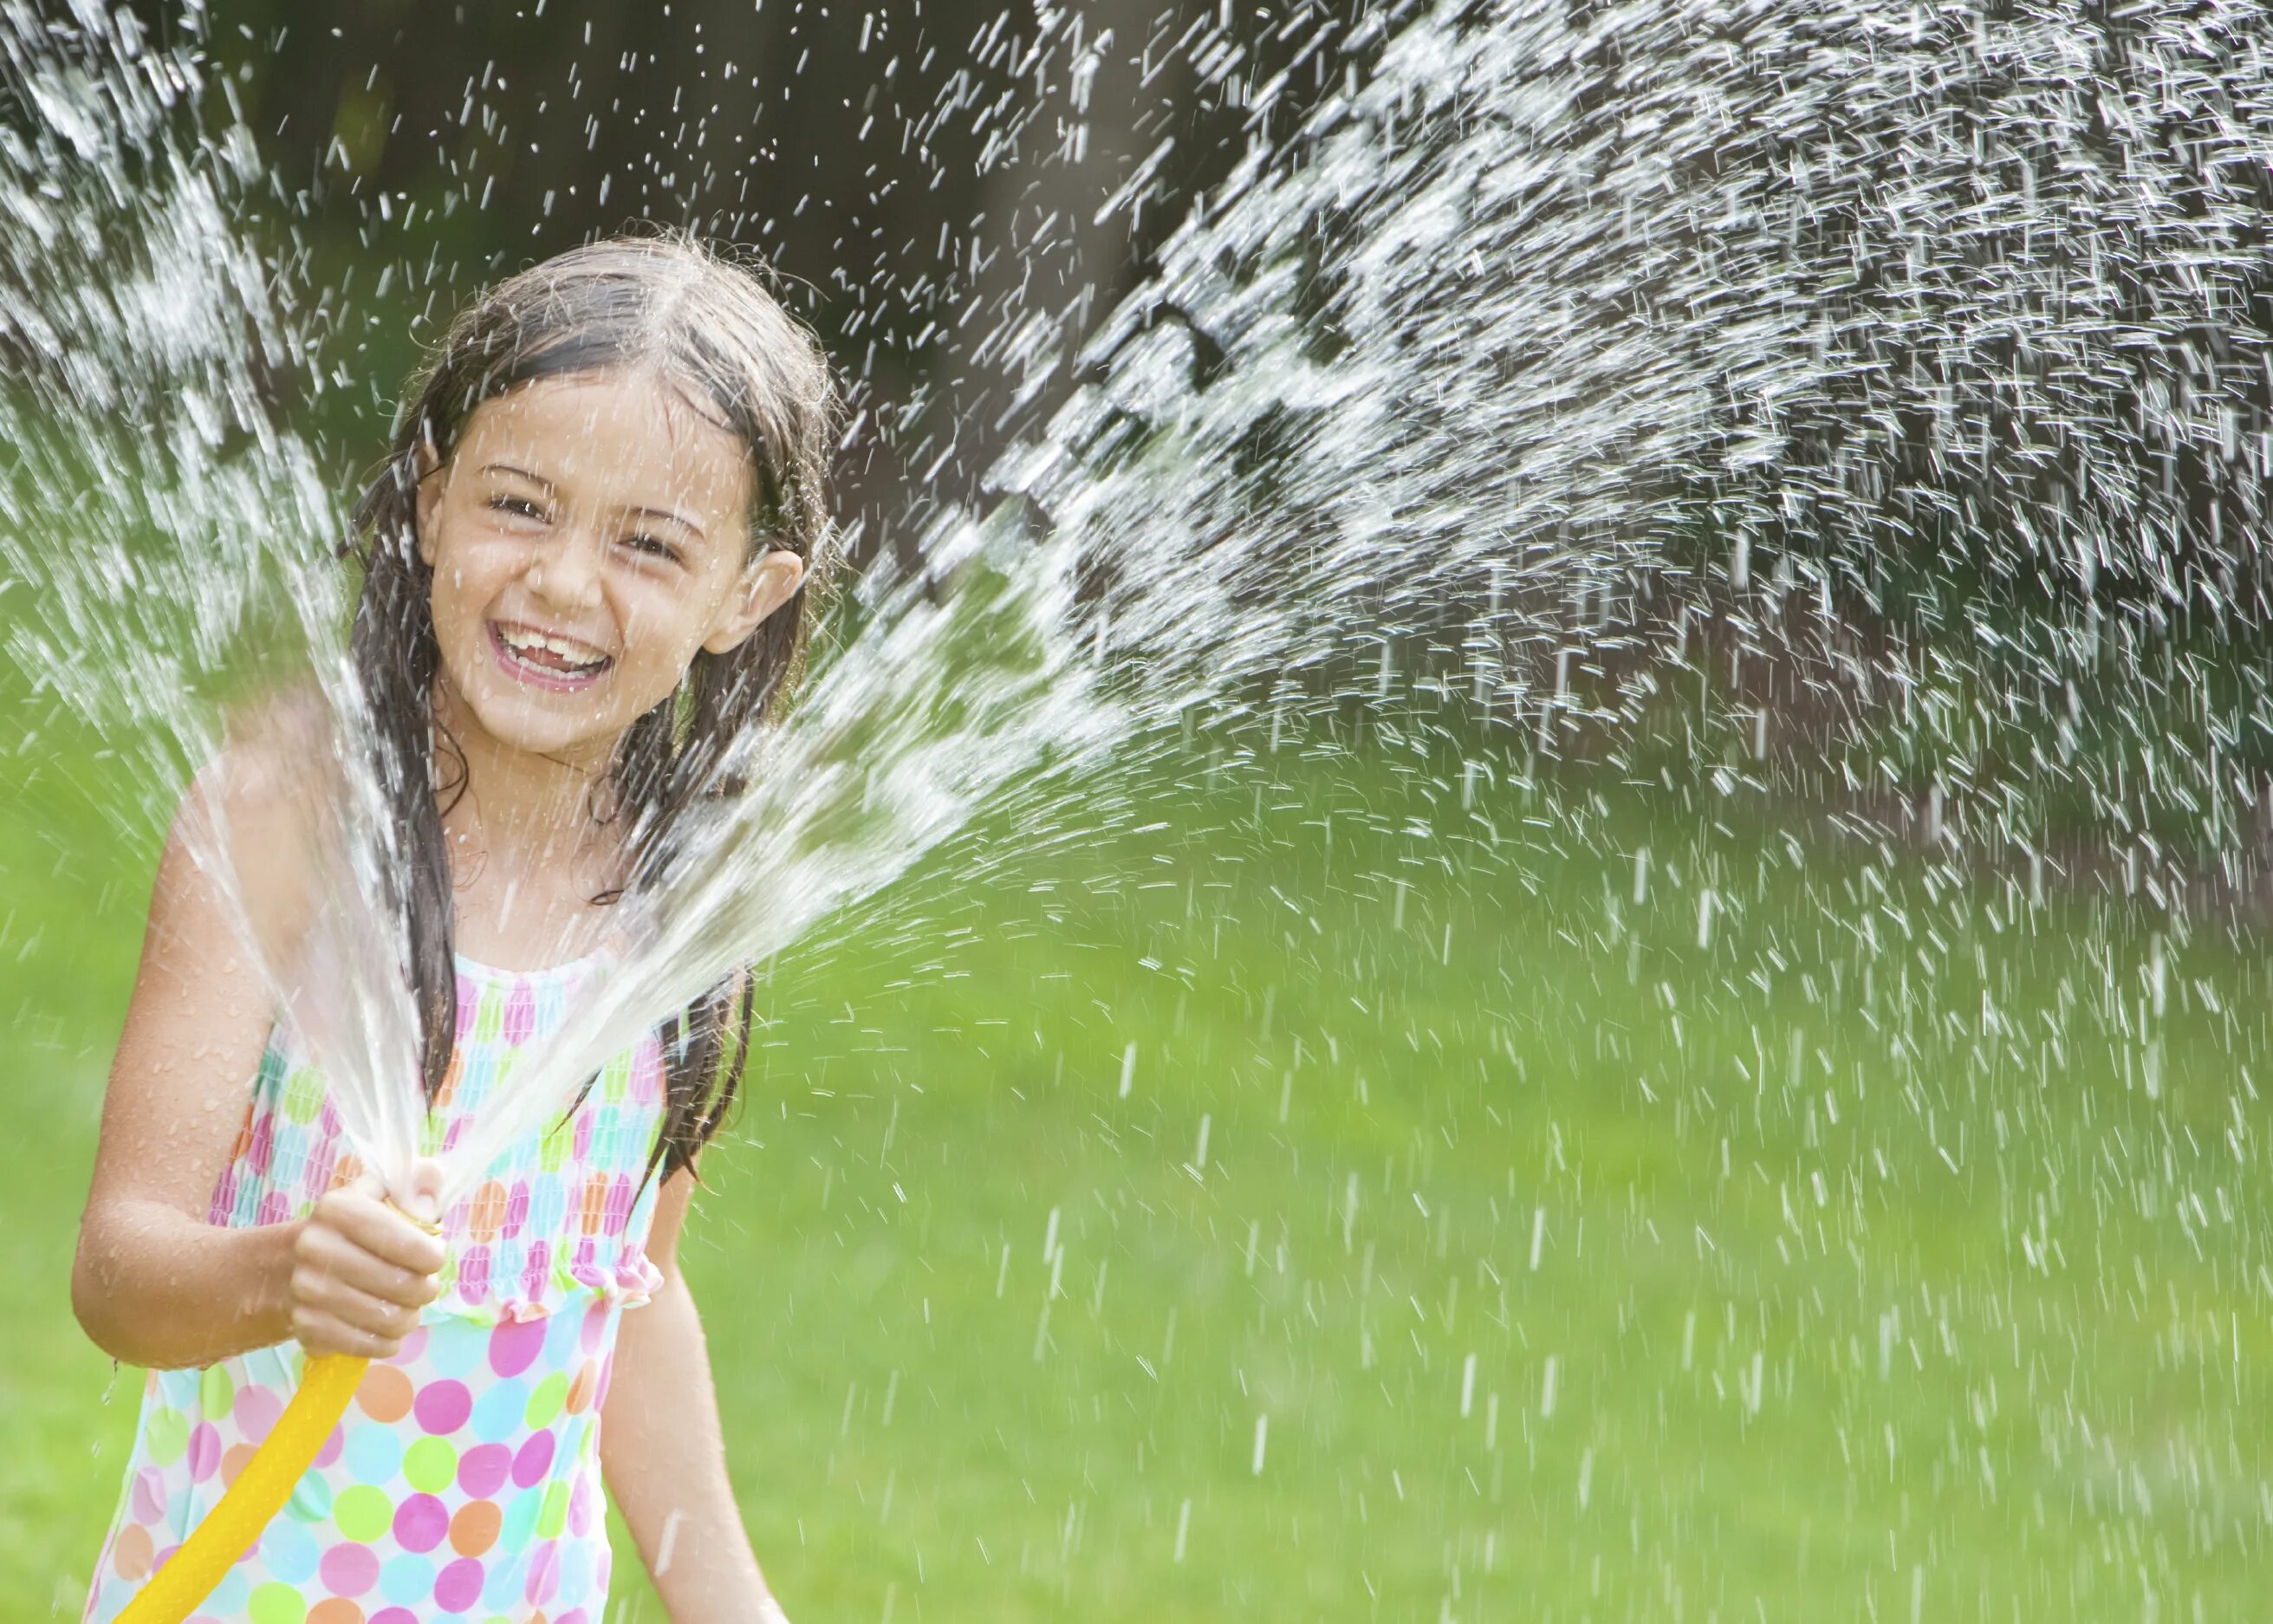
[[609, 433]]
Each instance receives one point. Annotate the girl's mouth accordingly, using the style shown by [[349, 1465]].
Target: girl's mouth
[[560, 664]]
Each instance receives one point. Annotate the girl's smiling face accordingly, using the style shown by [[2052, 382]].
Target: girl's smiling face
[[588, 536]]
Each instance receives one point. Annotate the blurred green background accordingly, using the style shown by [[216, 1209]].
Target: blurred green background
[[1336, 1203], [1397, 1177]]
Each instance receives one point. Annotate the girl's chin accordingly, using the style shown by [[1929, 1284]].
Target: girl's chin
[[554, 729]]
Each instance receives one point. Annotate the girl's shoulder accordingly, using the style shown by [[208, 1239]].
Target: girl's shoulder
[[259, 819]]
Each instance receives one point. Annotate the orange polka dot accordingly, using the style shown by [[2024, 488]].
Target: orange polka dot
[[581, 1389], [335, 1610], [474, 1528], [485, 1216], [385, 1394], [233, 1463], [243, 1137], [129, 1556], [346, 1170], [449, 1088]]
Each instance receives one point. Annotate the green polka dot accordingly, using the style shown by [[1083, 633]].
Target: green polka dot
[[363, 1512], [489, 1016], [429, 1464], [216, 1392], [277, 1604], [544, 1403], [165, 1435], [312, 1501], [302, 1097], [554, 1515]]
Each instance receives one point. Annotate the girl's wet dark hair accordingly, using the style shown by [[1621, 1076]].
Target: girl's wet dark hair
[[706, 325]]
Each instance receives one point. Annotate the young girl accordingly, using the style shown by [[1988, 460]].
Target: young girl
[[584, 569]]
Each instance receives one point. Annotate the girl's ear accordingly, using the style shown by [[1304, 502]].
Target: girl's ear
[[766, 585], [427, 465]]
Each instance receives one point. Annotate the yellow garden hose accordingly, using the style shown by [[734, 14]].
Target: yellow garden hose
[[326, 1383]]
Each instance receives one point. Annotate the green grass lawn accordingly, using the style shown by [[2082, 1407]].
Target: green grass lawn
[[1341, 1203]]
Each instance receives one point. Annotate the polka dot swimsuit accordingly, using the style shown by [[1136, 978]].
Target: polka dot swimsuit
[[464, 1480]]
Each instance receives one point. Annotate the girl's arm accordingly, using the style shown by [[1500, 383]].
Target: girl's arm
[[662, 1454], [153, 1283]]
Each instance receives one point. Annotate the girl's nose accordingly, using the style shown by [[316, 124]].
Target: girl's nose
[[567, 572]]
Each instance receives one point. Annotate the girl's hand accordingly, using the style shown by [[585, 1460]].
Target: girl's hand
[[362, 1269]]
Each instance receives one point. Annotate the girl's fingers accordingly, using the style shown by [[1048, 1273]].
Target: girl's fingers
[[381, 1230], [376, 1277], [321, 1333], [317, 1290]]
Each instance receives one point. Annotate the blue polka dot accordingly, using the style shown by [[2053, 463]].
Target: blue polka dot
[[497, 1412], [501, 1589], [575, 1574], [312, 1501], [561, 1340], [230, 1595], [406, 1579], [289, 1551], [373, 1453], [453, 1347], [519, 1521]]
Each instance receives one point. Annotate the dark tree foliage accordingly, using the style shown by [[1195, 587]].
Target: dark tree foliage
[[929, 177]]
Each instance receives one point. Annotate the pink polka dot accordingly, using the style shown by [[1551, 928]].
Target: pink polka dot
[[204, 1451], [256, 1410], [536, 1271], [442, 1406], [393, 1615], [595, 1325], [162, 1558], [273, 1209], [333, 1445], [575, 1615], [474, 1272], [458, 1586], [481, 1470], [468, 1009], [316, 1176], [517, 1207], [520, 1015], [413, 1347], [349, 1570], [543, 1573], [515, 1344], [534, 1461], [420, 1521], [149, 1497], [258, 1154]]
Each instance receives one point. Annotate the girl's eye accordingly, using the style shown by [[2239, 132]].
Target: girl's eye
[[515, 507], [652, 546]]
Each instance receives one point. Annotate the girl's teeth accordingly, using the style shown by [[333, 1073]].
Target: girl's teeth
[[564, 654]]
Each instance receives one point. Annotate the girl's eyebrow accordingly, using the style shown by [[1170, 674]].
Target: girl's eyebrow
[[682, 519], [507, 467]]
